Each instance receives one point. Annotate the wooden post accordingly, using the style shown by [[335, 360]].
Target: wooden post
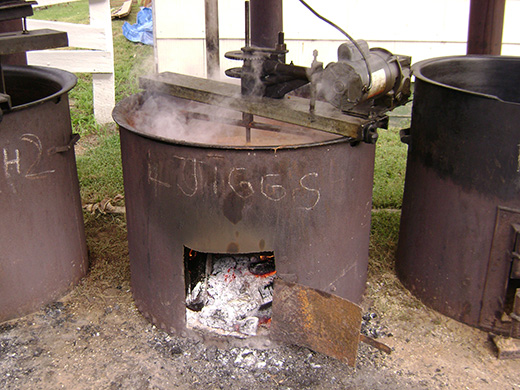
[[486, 22], [103, 84]]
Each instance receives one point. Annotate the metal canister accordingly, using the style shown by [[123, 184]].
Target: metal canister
[[304, 195], [42, 239], [461, 201]]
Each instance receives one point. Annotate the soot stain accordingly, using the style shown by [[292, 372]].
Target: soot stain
[[232, 208]]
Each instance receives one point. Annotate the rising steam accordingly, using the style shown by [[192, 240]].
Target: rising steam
[[175, 119]]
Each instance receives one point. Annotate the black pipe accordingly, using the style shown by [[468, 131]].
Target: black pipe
[[486, 22], [266, 22], [212, 39]]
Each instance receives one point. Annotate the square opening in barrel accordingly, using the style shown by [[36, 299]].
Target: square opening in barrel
[[229, 294]]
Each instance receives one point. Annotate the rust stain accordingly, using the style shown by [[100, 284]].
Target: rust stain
[[232, 247]]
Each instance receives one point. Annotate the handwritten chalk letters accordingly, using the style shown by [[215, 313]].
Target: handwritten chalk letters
[[194, 177]]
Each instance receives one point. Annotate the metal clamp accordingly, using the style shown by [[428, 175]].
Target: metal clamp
[[515, 253], [369, 131], [62, 149]]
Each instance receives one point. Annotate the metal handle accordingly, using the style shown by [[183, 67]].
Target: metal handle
[[62, 149], [406, 137], [515, 253]]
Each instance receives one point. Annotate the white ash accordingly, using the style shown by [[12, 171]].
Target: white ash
[[234, 299]]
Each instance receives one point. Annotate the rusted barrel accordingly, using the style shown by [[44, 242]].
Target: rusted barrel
[[461, 206], [303, 194], [42, 239]]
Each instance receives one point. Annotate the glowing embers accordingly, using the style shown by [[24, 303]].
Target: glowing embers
[[229, 294]]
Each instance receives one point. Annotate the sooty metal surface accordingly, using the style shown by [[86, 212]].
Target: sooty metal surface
[[42, 240], [308, 202], [462, 188]]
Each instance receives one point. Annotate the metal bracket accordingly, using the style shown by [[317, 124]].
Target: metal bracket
[[5, 102], [65, 148], [515, 253], [370, 135], [515, 315]]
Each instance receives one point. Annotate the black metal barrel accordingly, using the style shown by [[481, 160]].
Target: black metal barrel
[[302, 194], [42, 239], [461, 206]]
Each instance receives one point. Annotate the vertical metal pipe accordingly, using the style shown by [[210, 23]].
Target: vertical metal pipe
[[266, 22], [247, 118], [486, 22], [212, 39], [248, 23]]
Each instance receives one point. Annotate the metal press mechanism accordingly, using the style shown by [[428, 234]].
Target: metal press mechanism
[[363, 82], [349, 97]]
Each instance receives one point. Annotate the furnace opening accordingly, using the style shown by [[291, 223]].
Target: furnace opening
[[229, 294]]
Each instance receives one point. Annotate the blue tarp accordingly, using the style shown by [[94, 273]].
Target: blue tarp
[[142, 31]]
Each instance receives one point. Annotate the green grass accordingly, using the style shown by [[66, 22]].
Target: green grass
[[99, 170], [131, 61], [389, 174], [73, 12], [389, 170], [82, 106], [384, 232]]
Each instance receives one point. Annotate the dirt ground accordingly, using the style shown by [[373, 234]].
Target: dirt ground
[[95, 338]]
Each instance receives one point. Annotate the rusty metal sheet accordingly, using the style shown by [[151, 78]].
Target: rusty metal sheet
[[315, 319]]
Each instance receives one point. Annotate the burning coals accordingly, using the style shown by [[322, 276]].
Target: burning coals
[[234, 297]]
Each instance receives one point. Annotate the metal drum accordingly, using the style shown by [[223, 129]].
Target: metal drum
[[459, 238], [42, 239], [303, 194]]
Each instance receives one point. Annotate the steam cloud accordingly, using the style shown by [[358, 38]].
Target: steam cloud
[[175, 119]]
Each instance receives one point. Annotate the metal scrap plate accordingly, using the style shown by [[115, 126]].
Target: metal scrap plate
[[315, 319]]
